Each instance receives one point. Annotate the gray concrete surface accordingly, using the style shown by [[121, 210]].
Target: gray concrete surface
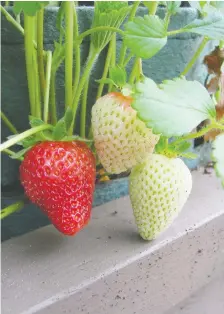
[[107, 268], [208, 300]]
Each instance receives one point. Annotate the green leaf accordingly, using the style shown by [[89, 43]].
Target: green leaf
[[107, 13], [59, 130], [173, 7], [29, 7], [35, 121], [217, 4], [68, 118], [218, 155], [118, 75], [30, 141], [181, 147], [211, 26], [145, 36], [173, 108], [20, 153]]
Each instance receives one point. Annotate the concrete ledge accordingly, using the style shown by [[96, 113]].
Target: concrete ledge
[[107, 268]]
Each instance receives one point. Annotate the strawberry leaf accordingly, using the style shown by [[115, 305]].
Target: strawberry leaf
[[118, 75], [173, 6], [30, 141], [35, 121], [173, 108], [211, 26], [218, 155], [29, 7], [107, 13], [145, 36], [59, 130]]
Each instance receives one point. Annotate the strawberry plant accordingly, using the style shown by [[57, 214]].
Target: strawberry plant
[[137, 125]]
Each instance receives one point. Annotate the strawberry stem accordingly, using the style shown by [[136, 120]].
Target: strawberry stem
[[14, 140], [11, 153], [16, 25], [11, 209], [123, 46], [76, 53], [37, 86], [113, 58], [85, 76], [29, 22], [153, 7], [106, 69], [47, 90], [195, 56], [8, 123], [200, 133], [40, 48], [53, 110], [83, 110], [69, 14]]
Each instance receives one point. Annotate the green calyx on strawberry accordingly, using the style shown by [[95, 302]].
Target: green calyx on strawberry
[[58, 174], [121, 139], [159, 188]]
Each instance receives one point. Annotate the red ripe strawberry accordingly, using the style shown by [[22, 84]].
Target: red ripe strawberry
[[59, 177]]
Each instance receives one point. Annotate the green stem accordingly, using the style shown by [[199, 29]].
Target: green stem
[[29, 33], [10, 153], [11, 209], [99, 29], [124, 47], [15, 24], [106, 69], [14, 140], [69, 14], [113, 58], [176, 31], [47, 89], [18, 18], [8, 123], [128, 59], [40, 48], [53, 98], [6, 3], [85, 76], [167, 20], [12, 20], [134, 71], [37, 86], [195, 56], [200, 133], [83, 110], [153, 7], [77, 55]]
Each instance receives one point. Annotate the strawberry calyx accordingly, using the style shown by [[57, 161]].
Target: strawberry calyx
[[58, 132], [171, 149]]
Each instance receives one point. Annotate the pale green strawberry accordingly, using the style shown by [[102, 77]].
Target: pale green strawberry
[[121, 139], [159, 188]]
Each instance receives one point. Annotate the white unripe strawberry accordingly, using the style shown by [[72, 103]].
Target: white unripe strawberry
[[159, 188], [121, 139]]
